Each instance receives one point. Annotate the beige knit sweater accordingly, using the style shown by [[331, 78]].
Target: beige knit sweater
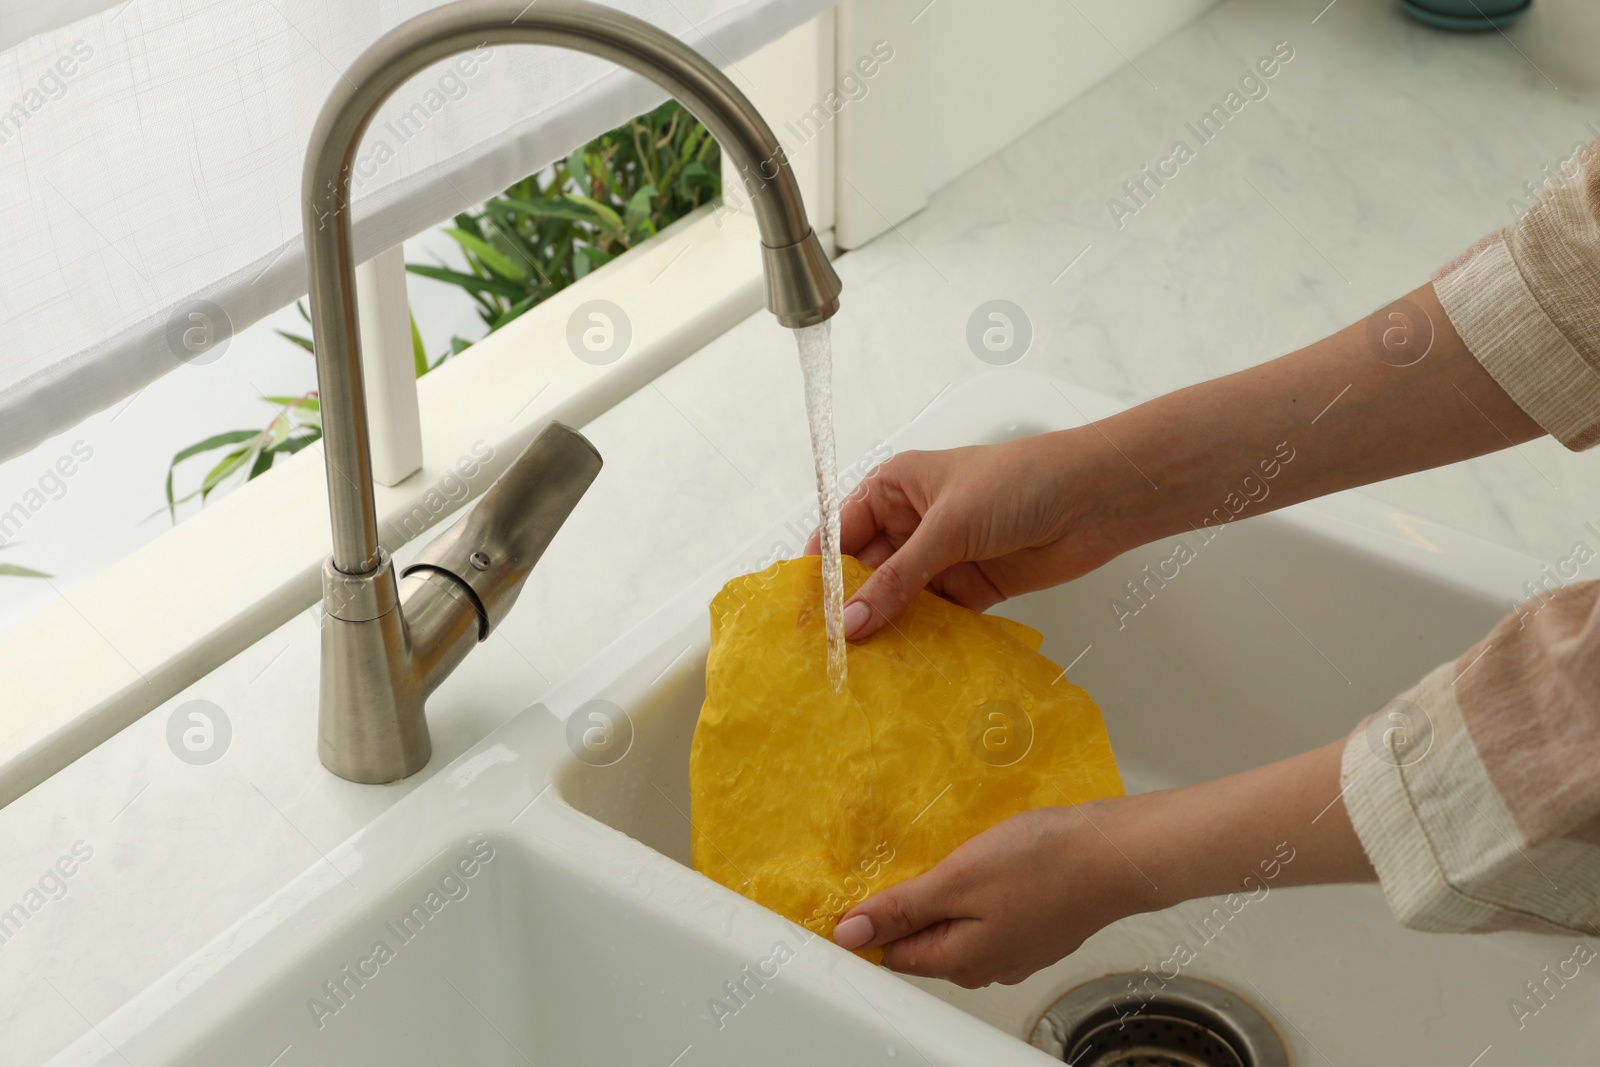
[[1497, 824]]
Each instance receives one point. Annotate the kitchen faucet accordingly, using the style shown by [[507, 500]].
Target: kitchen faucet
[[388, 640]]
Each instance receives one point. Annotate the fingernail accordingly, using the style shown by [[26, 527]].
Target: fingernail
[[855, 617], [853, 932]]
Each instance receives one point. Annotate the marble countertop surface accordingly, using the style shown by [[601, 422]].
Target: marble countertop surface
[[1380, 150]]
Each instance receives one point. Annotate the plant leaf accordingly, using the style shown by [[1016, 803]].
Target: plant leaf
[[578, 169], [263, 463], [308, 402], [637, 214], [557, 208], [515, 310], [419, 355], [230, 463], [277, 431], [295, 444], [610, 219], [693, 178], [220, 440], [232, 437], [303, 342], [492, 257], [504, 237], [470, 282]]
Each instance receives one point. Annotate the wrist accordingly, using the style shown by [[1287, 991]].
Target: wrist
[[1109, 499], [1193, 845], [1279, 825], [1118, 837]]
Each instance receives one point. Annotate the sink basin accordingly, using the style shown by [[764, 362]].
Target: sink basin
[[531, 903], [1279, 635], [481, 920], [531, 959]]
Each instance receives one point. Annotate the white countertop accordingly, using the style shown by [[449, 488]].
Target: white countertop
[[1382, 150]]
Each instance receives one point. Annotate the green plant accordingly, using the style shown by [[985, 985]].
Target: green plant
[[297, 424], [554, 227], [15, 570], [521, 247]]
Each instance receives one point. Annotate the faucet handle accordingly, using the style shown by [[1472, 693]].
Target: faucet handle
[[491, 550]]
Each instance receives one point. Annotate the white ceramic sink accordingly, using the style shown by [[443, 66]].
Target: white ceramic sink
[[1278, 636], [580, 937], [484, 921]]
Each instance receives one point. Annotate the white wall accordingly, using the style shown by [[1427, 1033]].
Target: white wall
[[998, 67], [785, 79], [963, 79]]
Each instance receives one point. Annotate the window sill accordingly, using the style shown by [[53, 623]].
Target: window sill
[[121, 643]]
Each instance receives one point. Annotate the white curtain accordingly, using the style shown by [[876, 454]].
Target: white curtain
[[150, 158], [21, 19]]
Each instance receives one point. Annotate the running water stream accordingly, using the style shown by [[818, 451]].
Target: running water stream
[[816, 362]]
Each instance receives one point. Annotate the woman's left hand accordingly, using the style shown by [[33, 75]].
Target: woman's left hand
[[1028, 891], [1010, 901]]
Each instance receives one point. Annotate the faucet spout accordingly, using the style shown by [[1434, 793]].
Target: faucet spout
[[387, 643], [802, 287]]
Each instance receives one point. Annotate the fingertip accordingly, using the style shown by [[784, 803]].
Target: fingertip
[[857, 614], [854, 933]]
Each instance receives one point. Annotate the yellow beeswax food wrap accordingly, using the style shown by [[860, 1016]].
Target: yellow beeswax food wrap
[[951, 722]]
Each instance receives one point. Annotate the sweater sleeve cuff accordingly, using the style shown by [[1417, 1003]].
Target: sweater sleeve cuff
[[1381, 809], [1447, 851], [1490, 305]]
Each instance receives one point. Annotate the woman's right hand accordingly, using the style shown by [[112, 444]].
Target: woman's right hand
[[979, 524]]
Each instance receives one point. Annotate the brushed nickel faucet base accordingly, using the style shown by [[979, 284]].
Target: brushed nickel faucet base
[[372, 727]]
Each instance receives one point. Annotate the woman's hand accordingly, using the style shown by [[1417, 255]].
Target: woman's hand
[[1028, 891], [1011, 901], [980, 524]]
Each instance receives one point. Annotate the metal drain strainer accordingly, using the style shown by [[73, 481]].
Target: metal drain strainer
[[1152, 1041], [1139, 1020]]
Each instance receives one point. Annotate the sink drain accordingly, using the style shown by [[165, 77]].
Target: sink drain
[[1138, 1020]]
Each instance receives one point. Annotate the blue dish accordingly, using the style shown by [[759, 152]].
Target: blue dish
[[1466, 16]]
